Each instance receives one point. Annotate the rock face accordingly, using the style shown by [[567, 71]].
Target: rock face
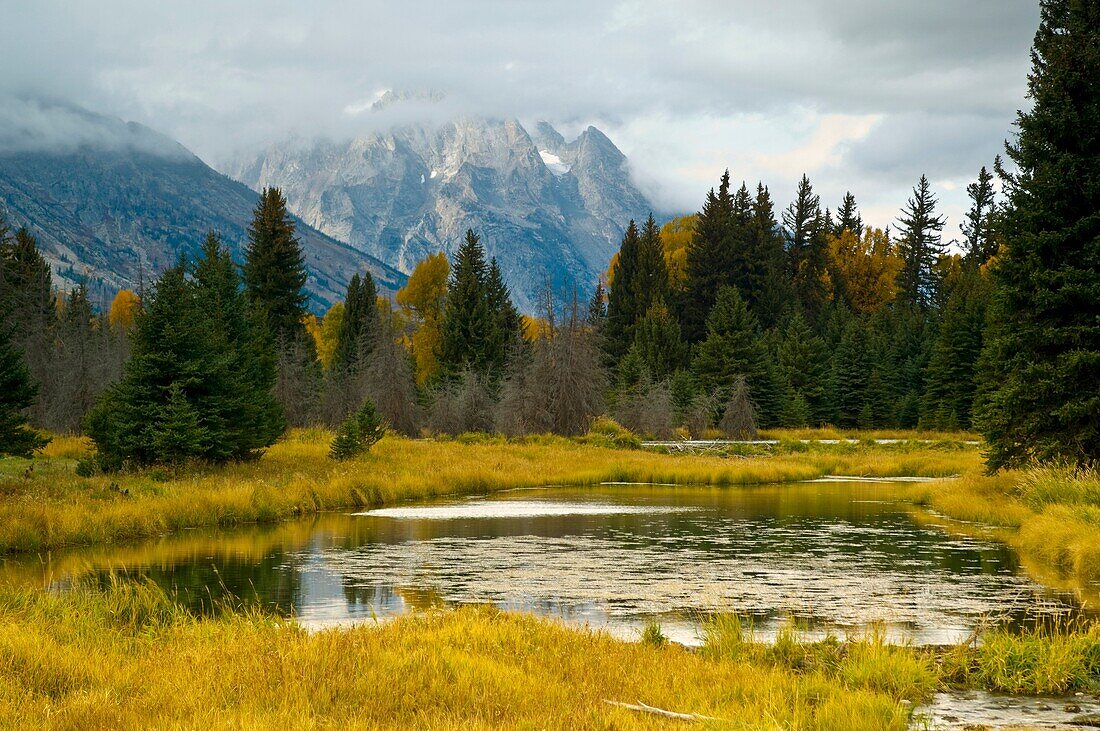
[[117, 203], [552, 212]]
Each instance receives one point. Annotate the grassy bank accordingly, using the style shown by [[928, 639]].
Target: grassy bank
[[44, 504], [1050, 515], [128, 657]]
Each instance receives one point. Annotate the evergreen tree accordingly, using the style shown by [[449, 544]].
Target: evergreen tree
[[468, 322], [622, 297], [274, 278], [707, 261], [767, 287], [979, 228], [921, 245], [506, 333], [597, 306], [1038, 394], [658, 343], [807, 248], [274, 269], [848, 218], [731, 349], [354, 336], [803, 361], [651, 286], [16, 394], [950, 376], [198, 383], [850, 373]]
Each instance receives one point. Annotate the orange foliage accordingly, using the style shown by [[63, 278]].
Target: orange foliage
[[864, 270]]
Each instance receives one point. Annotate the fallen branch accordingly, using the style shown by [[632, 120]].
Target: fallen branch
[[643, 708]]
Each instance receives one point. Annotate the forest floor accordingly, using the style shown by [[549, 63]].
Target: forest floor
[[126, 656]]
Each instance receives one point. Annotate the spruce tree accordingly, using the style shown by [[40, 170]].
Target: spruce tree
[[658, 343], [1038, 395], [979, 227], [16, 394], [274, 269], [707, 259], [921, 245], [803, 360], [354, 335], [622, 297], [848, 218], [949, 383], [506, 333], [651, 286], [850, 374], [807, 248], [198, 385], [732, 348], [767, 287], [467, 319]]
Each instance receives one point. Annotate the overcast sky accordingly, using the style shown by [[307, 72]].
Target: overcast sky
[[860, 94]]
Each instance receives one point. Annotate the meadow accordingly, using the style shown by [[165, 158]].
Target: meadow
[[127, 656]]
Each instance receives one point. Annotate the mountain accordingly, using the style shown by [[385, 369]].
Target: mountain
[[115, 203], [551, 211]]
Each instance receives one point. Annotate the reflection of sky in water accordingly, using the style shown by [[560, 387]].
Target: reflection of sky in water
[[831, 556]]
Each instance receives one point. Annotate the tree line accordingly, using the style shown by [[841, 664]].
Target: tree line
[[734, 318]]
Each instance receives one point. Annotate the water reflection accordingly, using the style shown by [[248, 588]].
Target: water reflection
[[832, 556]]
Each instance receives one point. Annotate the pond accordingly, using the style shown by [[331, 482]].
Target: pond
[[833, 556]]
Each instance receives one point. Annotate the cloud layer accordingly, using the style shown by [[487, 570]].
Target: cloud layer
[[861, 94]]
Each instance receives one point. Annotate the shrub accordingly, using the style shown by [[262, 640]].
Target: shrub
[[606, 432], [358, 433]]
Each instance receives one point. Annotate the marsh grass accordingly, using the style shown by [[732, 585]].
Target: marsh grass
[[44, 504], [124, 657]]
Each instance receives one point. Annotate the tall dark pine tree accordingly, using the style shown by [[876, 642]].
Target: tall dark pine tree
[[807, 248], [275, 278], [507, 327], [1038, 394], [27, 298], [467, 320], [768, 287], [848, 218], [707, 259], [920, 243], [198, 385], [732, 349], [16, 394], [651, 284], [354, 336], [622, 298], [979, 228], [274, 269]]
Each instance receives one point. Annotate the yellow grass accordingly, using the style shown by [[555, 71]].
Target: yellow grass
[[44, 504], [129, 659]]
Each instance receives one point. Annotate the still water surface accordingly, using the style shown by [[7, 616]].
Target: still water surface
[[832, 556]]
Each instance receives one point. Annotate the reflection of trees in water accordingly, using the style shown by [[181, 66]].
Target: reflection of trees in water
[[385, 599], [272, 584]]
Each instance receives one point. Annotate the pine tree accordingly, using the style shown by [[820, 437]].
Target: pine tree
[[651, 286], [506, 332], [950, 375], [622, 297], [731, 349], [768, 289], [275, 278], [354, 336], [274, 269], [850, 373], [979, 229], [658, 343], [467, 319], [707, 259], [920, 244], [1038, 394], [16, 394], [807, 248], [803, 360], [597, 306], [848, 218], [198, 385]]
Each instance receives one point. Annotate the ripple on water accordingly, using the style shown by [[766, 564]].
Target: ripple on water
[[515, 509]]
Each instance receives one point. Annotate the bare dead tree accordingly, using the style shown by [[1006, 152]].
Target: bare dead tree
[[698, 417], [298, 381], [464, 405], [739, 418], [388, 380]]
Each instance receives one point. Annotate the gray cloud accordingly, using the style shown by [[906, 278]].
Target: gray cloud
[[220, 76]]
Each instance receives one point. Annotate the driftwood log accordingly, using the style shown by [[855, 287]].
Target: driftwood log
[[643, 708]]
